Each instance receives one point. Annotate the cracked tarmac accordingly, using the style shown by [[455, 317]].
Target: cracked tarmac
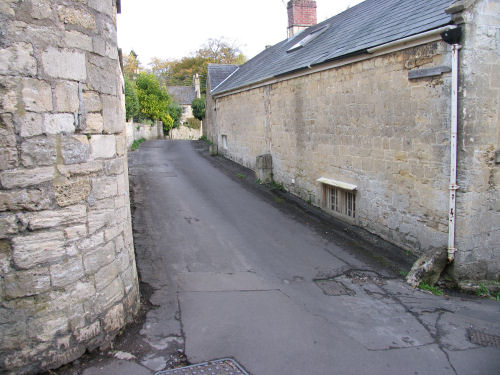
[[228, 271]]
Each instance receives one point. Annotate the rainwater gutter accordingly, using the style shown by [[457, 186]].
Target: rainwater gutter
[[413, 40], [453, 37]]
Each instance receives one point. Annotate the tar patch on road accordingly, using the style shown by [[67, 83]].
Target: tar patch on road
[[334, 288], [217, 367]]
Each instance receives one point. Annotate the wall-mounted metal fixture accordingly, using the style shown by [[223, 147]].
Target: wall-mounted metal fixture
[[452, 37]]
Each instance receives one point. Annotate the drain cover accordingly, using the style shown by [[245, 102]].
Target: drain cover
[[484, 339], [218, 367], [334, 288]]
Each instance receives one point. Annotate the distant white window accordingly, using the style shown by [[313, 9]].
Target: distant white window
[[224, 142], [313, 35]]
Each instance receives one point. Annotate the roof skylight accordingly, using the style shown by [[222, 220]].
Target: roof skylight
[[308, 38]]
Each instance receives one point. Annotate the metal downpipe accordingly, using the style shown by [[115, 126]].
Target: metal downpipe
[[453, 153]]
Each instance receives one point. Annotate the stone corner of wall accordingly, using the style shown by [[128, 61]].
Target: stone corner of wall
[[68, 280]]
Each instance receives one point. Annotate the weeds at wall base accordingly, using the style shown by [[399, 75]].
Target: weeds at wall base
[[424, 285], [205, 139], [484, 292], [136, 144], [277, 186]]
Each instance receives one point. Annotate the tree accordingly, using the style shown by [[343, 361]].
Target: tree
[[131, 65], [181, 72], [153, 99], [131, 100], [178, 72], [198, 106], [221, 51], [161, 69]]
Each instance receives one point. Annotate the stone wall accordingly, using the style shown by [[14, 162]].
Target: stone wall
[[137, 131], [210, 129], [365, 124], [187, 112], [68, 280], [184, 132], [478, 205], [369, 125]]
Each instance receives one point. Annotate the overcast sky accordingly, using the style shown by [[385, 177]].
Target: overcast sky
[[172, 29]]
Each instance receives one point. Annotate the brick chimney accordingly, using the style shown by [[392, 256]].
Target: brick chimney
[[301, 15]]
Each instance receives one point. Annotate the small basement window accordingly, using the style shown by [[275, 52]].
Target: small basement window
[[224, 142], [339, 197]]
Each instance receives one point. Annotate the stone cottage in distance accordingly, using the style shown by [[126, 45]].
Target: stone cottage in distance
[[387, 116], [184, 96]]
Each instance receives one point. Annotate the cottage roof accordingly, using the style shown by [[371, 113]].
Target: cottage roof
[[366, 25], [217, 73], [184, 95]]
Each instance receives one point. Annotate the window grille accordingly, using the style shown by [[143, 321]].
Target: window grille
[[340, 201]]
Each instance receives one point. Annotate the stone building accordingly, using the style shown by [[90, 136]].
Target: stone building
[[68, 279], [216, 74], [184, 96], [358, 115]]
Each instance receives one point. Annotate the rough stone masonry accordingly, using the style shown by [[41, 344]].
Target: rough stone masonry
[[68, 279], [370, 124]]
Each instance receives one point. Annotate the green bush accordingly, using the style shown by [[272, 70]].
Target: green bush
[[131, 100], [168, 124], [198, 106], [153, 99]]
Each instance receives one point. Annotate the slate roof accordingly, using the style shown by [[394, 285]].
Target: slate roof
[[184, 95], [217, 73], [366, 25]]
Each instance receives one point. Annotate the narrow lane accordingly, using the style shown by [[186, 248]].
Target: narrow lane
[[234, 276]]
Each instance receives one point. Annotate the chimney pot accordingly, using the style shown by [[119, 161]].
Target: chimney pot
[[196, 80]]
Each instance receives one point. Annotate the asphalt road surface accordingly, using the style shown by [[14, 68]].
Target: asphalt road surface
[[233, 270]]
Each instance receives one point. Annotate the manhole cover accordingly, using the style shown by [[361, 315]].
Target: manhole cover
[[334, 288], [217, 367], [484, 339]]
